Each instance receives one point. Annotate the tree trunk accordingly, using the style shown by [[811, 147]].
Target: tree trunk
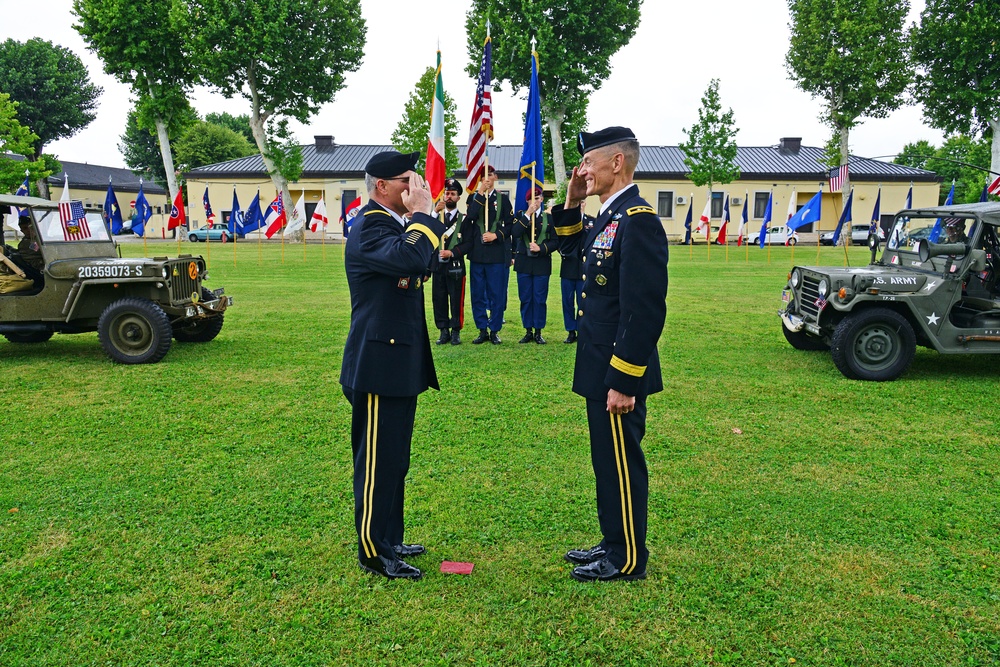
[[257, 120], [555, 121], [168, 157], [994, 150], [43, 188], [845, 187]]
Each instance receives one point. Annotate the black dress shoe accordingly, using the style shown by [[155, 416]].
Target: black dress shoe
[[538, 337], [495, 338], [582, 557], [481, 338], [603, 570], [528, 337], [393, 568], [444, 338], [455, 339], [571, 337], [408, 550]]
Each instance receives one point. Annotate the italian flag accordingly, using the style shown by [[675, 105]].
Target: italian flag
[[435, 140]]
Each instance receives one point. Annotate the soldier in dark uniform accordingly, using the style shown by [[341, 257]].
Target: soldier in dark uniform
[[533, 266], [448, 269], [620, 321], [571, 283], [387, 357], [486, 242]]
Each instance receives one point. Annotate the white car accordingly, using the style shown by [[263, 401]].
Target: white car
[[774, 236], [859, 235]]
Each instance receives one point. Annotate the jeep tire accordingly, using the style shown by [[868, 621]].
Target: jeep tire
[[33, 337], [800, 340], [875, 344], [134, 331], [200, 330]]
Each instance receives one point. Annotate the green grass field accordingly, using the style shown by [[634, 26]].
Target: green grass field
[[199, 511]]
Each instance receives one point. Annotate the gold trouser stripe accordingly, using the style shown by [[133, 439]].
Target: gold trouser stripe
[[424, 229], [371, 438], [625, 489], [569, 231], [625, 367]]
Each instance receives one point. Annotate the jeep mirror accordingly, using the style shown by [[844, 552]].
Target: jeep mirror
[[978, 262], [873, 245], [927, 249]]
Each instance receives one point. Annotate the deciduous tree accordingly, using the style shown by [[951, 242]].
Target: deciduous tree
[[285, 57], [710, 151], [53, 91], [412, 131], [240, 124], [140, 45], [16, 139], [207, 143], [575, 42], [852, 55], [954, 48]]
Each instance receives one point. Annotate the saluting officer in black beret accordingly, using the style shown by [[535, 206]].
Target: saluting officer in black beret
[[620, 320], [387, 357]]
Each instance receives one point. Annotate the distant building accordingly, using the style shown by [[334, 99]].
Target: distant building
[[336, 173]]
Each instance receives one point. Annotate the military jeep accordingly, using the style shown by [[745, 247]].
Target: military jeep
[[77, 282], [935, 285]]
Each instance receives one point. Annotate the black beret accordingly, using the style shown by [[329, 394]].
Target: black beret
[[452, 185], [388, 164], [588, 141]]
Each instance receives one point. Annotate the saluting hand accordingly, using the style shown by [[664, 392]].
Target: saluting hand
[[417, 198], [576, 190]]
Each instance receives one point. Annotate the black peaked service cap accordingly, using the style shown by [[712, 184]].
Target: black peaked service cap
[[588, 141], [388, 164]]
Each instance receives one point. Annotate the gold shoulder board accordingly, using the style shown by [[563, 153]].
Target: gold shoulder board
[[636, 210]]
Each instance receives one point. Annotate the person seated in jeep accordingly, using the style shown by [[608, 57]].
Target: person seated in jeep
[[955, 228], [13, 278]]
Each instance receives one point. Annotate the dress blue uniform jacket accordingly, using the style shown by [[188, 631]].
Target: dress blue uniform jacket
[[541, 264], [624, 296], [497, 252], [388, 351]]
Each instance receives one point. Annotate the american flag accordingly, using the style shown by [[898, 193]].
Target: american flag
[[209, 216], [481, 128], [74, 221], [837, 177], [994, 187]]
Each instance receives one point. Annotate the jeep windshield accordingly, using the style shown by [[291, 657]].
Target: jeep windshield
[[908, 232], [53, 229]]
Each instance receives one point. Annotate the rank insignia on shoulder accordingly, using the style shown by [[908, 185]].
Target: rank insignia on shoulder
[[601, 279], [636, 210], [403, 283]]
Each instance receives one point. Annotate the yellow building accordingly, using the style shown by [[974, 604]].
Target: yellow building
[[789, 172]]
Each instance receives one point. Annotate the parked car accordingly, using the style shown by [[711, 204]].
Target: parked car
[[943, 296], [774, 236], [220, 234], [859, 235]]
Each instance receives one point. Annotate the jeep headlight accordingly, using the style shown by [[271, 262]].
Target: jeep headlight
[[795, 278], [163, 272], [824, 288]]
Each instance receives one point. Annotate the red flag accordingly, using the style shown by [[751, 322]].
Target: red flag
[[994, 187], [176, 212]]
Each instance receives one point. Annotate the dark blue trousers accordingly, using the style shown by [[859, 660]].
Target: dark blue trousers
[[571, 298], [488, 289], [533, 291]]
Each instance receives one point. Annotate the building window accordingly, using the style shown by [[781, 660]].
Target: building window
[[760, 204], [347, 196], [718, 199], [665, 204]]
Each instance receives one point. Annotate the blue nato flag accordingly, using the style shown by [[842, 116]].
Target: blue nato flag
[[811, 212], [112, 212], [254, 218], [143, 212], [531, 154]]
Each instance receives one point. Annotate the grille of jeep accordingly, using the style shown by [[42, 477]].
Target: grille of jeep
[[808, 294], [182, 286]]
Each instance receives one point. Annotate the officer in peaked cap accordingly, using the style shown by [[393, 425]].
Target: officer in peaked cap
[[620, 321], [387, 358]]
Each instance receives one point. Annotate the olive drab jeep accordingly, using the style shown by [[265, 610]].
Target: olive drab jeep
[[67, 277], [935, 286]]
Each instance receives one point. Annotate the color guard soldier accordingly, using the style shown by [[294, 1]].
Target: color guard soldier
[[486, 233], [620, 321], [387, 358], [448, 269], [533, 266]]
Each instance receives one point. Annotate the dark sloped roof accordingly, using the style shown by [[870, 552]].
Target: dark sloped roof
[[756, 162], [83, 176]]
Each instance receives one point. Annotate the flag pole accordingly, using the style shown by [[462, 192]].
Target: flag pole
[[708, 229], [746, 202], [690, 233]]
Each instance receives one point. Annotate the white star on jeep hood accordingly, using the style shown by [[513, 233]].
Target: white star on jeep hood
[[932, 318]]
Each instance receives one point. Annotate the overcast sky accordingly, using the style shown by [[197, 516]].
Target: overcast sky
[[655, 87]]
